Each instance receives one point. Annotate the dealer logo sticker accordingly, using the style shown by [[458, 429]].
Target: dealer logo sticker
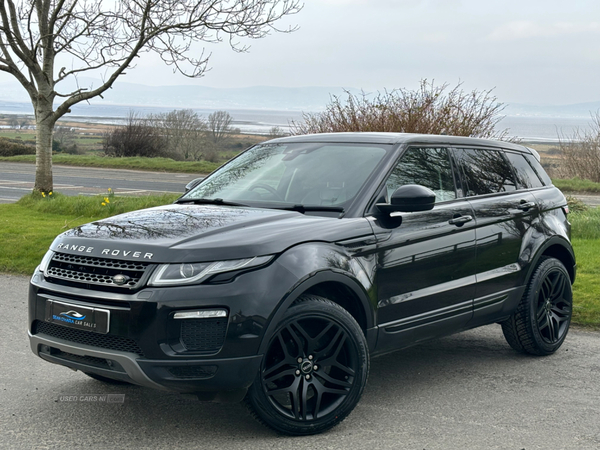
[[73, 315]]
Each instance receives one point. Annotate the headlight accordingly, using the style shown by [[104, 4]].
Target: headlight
[[45, 261], [190, 273]]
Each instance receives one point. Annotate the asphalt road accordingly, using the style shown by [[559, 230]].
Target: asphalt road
[[16, 180], [467, 391]]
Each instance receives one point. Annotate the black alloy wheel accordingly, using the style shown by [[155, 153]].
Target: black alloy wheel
[[314, 370], [553, 306], [541, 322]]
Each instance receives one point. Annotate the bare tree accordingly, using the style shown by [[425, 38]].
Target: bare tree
[[430, 109], [105, 37], [13, 122], [184, 132], [219, 126], [65, 136], [276, 132]]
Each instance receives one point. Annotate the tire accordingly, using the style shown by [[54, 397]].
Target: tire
[[105, 379], [314, 370], [541, 322]]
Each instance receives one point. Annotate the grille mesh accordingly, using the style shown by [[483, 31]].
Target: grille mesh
[[99, 262], [92, 278], [88, 360], [203, 335], [192, 371], [107, 341], [91, 270]]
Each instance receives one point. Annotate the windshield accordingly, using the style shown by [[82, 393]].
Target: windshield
[[306, 174]]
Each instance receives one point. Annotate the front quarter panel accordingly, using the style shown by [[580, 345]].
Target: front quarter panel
[[310, 264]]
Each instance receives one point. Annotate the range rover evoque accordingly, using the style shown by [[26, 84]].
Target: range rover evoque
[[277, 277]]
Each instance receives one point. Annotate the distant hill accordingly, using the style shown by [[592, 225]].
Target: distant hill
[[255, 97], [293, 99]]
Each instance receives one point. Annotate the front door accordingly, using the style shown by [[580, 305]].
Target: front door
[[426, 264]]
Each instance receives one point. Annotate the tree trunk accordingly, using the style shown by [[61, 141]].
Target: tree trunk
[[44, 127]]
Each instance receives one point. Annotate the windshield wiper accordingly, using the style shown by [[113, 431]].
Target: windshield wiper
[[307, 208], [209, 201]]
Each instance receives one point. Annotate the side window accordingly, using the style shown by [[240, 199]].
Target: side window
[[526, 177], [539, 170], [485, 171], [429, 167]]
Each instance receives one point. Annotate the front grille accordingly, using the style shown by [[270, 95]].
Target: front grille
[[107, 341], [193, 371], [78, 269], [203, 335]]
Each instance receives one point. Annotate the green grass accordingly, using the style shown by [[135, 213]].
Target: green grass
[[586, 290], [22, 135], [26, 234], [576, 185], [92, 207], [28, 227], [586, 224], [136, 163]]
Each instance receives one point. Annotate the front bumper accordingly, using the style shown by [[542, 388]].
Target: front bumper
[[192, 376], [143, 343]]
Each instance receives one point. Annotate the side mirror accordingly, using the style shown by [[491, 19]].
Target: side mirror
[[409, 198], [192, 184]]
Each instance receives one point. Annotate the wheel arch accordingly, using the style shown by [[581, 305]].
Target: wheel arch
[[337, 287], [559, 248]]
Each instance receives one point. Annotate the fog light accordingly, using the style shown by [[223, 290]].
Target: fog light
[[201, 314]]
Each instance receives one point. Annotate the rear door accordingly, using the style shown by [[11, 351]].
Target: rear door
[[504, 212]]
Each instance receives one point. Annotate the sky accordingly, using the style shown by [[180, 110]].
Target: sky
[[530, 51]]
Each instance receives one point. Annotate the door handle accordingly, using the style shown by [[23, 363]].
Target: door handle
[[460, 220], [524, 206]]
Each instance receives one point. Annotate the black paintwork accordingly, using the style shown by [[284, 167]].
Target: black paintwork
[[405, 277]]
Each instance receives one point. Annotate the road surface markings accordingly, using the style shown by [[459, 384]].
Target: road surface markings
[[14, 182], [12, 188]]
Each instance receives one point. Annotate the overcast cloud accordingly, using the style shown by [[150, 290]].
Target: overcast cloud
[[531, 51]]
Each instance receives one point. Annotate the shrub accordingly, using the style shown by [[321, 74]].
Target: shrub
[[10, 147], [576, 205], [430, 109], [137, 138], [580, 153]]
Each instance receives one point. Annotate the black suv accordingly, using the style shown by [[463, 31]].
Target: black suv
[[278, 276]]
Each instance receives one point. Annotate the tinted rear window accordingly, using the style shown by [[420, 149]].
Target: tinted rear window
[[526, 176], [485, 172], [539, 169]]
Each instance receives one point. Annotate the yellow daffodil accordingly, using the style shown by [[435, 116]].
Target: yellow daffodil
[[43, 195], [106, 200], [50, 193], [103, 204]]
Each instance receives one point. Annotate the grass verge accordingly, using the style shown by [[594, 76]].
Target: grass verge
[[28, 227], [586, 290], [577, 185], [136, 163]]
